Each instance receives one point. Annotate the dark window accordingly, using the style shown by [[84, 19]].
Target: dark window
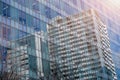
[[47, 12], [36, 24], [35, 5], [6, 33], [22, 17], [5, 10]]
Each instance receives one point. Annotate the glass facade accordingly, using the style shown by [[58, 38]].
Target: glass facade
[[80, 46], [22, 18], [110, 16], [23, 34]]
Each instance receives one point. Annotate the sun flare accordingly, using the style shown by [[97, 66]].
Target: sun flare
[[115, 2]]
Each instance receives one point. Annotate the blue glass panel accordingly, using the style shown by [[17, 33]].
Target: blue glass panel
[[14, 13], [3, 58], [29, 20], [47, 12], [35, 5], [6, 33], [6, 1], [33, 68], [57, 4], [118, 73], [1, 8], [114, 36], [68, 9], [36, 24], [45, 61], [5, 10], [22, 34], [115, 47], [22, 2], [43, 26], [22, 17], [42, 9]]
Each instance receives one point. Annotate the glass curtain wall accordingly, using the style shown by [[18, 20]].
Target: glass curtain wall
[[109, 12], [23, 36]]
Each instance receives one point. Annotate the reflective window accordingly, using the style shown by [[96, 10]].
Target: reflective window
[[68, 9], [6, 32], [5, 10], [36, 24], [22, 34], [43, 26], [22, 17], [35, 5], [22, 2], [6, 1], [47, 12], [57, 4]]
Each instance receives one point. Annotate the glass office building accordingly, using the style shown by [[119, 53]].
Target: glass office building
[[20, 18], [19, 21], [26, 59], [80, 47], [109, 12]]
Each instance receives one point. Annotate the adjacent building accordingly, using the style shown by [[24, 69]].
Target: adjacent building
[[26, 58], [79, 47]]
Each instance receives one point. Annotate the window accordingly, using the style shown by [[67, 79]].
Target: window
[[22, 2], [22, 17], [43, 26], [57, 4], [50, 13], [68, 9], [36, 24], [47, 12], [35, 5], [22, 34], [6, 1], [0, 31], [6, 33], [5, 10]]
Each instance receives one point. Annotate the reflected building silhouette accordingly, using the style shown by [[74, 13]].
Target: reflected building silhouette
[[80, 47]]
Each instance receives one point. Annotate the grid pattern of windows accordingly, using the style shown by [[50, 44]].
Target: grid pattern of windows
[[21, 22], [80, 48], [25, 17]]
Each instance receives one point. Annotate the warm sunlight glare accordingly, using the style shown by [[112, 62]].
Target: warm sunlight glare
[[115, 2]]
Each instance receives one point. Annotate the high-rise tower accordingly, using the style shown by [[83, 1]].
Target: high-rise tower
[[79, 47]]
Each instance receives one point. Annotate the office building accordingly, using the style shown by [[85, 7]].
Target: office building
[[26, 58], [19, 18], [109, 13], [79, 47]]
